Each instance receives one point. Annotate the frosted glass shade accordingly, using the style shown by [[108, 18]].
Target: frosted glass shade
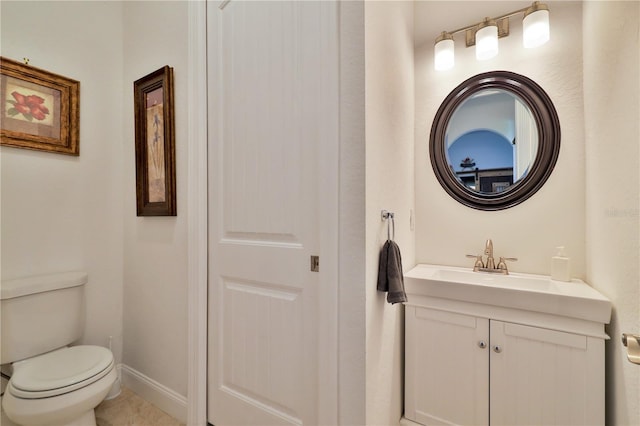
[[535, 30], [444, 58], [487, 42]]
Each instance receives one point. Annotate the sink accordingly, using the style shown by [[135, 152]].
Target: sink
[[531, 282], [538, 293]]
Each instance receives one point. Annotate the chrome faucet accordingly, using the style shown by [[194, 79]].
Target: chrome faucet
[[490, 265]]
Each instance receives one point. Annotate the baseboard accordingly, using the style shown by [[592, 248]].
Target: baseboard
[[159, 395]]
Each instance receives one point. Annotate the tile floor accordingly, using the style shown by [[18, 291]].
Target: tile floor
[[128, 409]]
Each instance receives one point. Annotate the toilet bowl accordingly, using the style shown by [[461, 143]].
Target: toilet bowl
[[51, 383], [60, 388]]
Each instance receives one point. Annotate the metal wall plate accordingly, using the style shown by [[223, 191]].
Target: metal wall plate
[[503, 31]]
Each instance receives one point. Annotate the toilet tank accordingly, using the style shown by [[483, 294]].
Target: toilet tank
[[40, 313]]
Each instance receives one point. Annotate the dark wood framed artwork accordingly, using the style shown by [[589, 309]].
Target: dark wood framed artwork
[[155, 145], [40, 110]]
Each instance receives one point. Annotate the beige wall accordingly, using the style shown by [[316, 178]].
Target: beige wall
[[612, 116], [555, 216], [60, 212], [351, 233], [578, 207], [389, 88], [155, 248]]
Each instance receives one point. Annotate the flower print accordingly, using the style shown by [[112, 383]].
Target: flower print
[[31, 106], [36, 103], [19, 98]]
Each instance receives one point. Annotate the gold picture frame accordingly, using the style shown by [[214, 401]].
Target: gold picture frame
[[40, 110], [155, 145]]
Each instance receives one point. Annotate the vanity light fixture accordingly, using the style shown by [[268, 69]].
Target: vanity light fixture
[[484, 35], [443, 50], [487, 40], [535, 25]]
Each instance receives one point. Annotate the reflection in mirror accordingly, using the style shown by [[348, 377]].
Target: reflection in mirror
[[491, 141], [494, 140]]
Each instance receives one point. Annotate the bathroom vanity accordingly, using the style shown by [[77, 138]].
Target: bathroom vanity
[[495, 349]]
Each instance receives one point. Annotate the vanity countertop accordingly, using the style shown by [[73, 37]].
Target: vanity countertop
[[536, 293]]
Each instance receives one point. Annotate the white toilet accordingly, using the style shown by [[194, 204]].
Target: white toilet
[[51, 383]]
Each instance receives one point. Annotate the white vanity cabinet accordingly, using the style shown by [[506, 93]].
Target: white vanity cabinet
[[476, 363], [466, 370]]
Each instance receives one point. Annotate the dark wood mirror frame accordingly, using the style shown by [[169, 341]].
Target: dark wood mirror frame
[[548, 125]]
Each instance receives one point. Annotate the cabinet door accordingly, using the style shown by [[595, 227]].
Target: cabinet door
[[545, 377], [447, 368]]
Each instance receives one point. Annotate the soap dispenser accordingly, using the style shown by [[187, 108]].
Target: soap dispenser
[[560, 266]]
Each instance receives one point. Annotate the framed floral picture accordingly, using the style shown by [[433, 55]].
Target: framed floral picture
[[155, 146], [40, 110]]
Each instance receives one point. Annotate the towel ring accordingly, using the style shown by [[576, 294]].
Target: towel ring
[[386, 215]]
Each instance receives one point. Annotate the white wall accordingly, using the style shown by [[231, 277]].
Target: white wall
[[612, 116], [59, 212], [445, 229], [155, 248], [389, 88], [579, 206]]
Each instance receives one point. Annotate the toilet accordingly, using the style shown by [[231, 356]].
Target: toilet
[[51, 383]]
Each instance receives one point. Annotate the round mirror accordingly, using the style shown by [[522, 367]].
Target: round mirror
[[495, 140]]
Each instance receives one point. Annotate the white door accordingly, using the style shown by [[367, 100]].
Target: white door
[[272, 115]]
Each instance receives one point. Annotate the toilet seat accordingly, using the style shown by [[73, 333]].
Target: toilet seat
[[59, 372]]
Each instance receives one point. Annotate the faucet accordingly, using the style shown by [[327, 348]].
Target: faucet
[[490, 264], [488, 251]]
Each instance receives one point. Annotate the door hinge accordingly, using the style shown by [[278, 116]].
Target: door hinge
[[315, 263]]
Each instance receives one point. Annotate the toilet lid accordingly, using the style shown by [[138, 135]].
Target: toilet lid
[[60, 371]]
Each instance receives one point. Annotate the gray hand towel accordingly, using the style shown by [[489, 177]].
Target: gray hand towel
[[390, 278]]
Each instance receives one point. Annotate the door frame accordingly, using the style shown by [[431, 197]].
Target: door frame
[[197, 233], [197, 238]]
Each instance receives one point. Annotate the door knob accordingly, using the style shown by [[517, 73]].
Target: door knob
[[482, 344], [497, 349]]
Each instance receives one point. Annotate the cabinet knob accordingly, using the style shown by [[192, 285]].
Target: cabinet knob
[[482, 344], [497, 349]]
